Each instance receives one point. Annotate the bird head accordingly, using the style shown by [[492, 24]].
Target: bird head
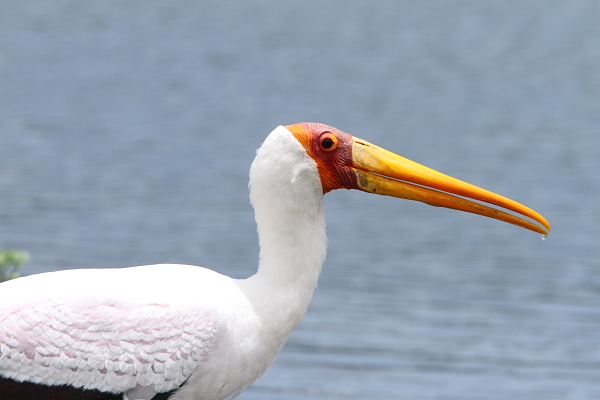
[[344, 161]]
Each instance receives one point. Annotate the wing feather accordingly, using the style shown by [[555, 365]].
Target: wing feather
[[105, 347]]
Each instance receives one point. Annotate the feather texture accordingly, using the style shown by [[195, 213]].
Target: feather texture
[[108, 336], [105, 347]]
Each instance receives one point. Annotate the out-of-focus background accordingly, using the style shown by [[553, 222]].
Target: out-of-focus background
[[127, 129]]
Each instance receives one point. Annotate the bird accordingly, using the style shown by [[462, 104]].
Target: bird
[[185, 332]]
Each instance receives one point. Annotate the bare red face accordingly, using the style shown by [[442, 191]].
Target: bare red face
[[332, 151]]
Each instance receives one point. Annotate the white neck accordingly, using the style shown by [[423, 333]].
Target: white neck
[[287, 196]]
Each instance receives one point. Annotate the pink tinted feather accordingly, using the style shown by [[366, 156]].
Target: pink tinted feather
[[105, 347]]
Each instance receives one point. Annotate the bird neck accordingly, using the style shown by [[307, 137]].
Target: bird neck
[[287, 196]]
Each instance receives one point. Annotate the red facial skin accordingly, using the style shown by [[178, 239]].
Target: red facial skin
[[334, 163]]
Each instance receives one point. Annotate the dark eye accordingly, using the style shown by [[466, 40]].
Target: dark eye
[[329, 142]]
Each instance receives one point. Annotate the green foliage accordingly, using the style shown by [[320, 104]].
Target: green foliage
[[10, 262]]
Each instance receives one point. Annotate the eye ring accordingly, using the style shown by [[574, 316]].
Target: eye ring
[[328, 142]]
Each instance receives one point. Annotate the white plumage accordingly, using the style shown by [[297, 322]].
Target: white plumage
[[145, 330], [101, 336]]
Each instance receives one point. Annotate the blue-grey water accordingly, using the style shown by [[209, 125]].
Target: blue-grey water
[[127, 130]]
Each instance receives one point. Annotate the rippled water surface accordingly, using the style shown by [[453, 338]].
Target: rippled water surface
[[127, 130]]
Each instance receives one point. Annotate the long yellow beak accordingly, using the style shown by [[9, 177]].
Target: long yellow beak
[[382, 172]]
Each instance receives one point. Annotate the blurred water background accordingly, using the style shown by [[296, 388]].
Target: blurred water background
[[127, 129]]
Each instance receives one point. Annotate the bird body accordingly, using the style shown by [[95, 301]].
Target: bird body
[[146, 330]]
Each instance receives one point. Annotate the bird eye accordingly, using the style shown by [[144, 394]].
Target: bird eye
[[329, 142]]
